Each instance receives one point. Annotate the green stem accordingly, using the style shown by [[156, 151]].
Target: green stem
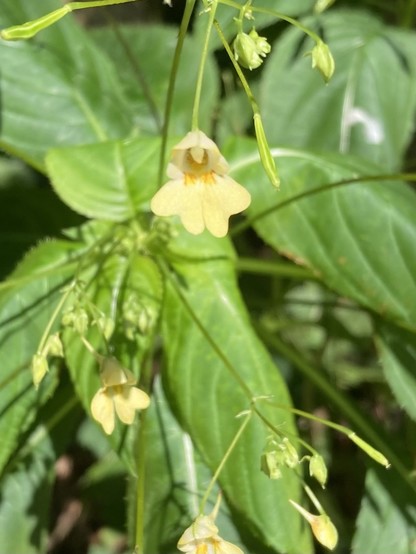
[[141, 464], [224, 460], [359, 421], [371, 179], [200, 78], [276, 14], [189, 7], [55, 314], [204, 331], [267, 267]]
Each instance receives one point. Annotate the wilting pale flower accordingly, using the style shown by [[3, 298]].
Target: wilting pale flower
[[200, 191], [118, 395], [202, 538]]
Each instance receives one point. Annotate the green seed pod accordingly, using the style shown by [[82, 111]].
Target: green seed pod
[[54, 346], [318, 469], [322, 59]]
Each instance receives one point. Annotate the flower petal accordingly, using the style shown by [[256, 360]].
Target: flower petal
[[102, 410], [128, 401], [221, 200], [169, 199], [224, 547], [113, 373]]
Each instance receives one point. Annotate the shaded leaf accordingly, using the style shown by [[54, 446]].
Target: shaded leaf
[[397, 349], [387, 519], [207, 397]]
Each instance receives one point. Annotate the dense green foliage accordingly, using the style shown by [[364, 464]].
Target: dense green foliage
[[308, 304]]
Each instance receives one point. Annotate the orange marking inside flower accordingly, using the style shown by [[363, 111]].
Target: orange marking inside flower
[[205, 178]]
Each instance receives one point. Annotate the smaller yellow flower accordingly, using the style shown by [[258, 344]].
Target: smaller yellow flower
[[118, 395], [200, 191], [202, 538]]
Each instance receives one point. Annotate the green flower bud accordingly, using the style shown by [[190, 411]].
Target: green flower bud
[[270, 464], [325, 531], [106, 325], [291, 457], [322, 59], [262, 46], [54, 346], [318, 469], [322, 527], [322, 5], [245, 52], [39, 368]]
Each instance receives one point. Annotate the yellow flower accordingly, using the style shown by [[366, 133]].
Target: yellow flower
[[200, 191], [118, 395], [202, 538]]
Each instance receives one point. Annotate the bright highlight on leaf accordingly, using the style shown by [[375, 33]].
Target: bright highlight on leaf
[[200, 192], [118, 395]]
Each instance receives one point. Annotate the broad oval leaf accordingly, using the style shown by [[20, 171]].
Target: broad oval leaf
[[358, 238], [369, 105], [106, 181], [207, 397], [75, 94]]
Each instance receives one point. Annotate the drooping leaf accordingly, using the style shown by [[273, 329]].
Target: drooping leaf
[[397, 348], [367, 108], [387, 519], [207, 398], [75, 94], [359, 239], [108, 180]]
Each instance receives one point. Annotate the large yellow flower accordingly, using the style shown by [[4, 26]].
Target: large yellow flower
[[118, 395], [200, 191], [202, 538]]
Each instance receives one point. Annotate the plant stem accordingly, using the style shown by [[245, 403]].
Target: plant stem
[[224, 460], [268, 267], [189, 7], [200, 78]]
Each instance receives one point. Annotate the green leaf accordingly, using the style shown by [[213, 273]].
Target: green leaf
[[397, 349], [28, 214], [207, 397], [369, 105], [75, 94], [114, 285], [107, 181], [174, 481], [144, 78], [358, 239], [25, 510], [387, 519], [27, 301]]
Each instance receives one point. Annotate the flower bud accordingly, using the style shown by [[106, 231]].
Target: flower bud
[[54, 346], [322, 527], [277, 454], [245, 51], [39, 368], [325, 531], [105, 325], [322, 59], [270, 464], [322, 5], [318, 469], [262, 46]]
